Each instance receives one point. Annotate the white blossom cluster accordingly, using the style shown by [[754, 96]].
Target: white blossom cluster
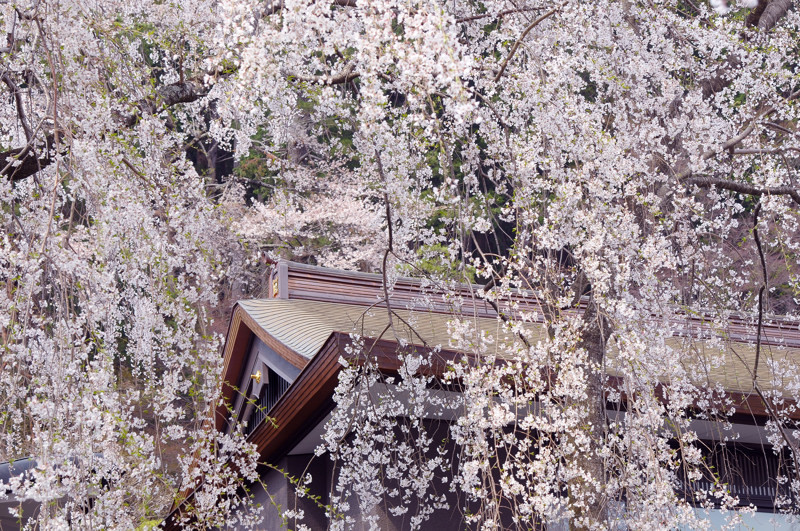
[[615, 151], [111, 255], [613, 160]]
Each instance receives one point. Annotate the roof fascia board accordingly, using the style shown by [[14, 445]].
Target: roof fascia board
[[310, 395], [237, 344], [288, 354], [241, 332]]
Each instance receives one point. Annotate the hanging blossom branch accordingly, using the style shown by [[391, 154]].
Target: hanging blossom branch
[[21, 163], [768, 403], [499, 15], [506, 319]]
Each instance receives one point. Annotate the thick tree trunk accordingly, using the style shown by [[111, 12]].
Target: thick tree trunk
[[591, 504]]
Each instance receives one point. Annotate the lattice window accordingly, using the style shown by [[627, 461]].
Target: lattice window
[[270, 393]]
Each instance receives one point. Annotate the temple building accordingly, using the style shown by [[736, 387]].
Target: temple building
[[283, 355]]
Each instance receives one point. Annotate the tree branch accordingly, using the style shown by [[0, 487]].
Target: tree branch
[[780, 128], [759, 151], [498, 15], [278, 5], [10, 36], [760, 294], [167, 96], [390, 247], [344, 76], [12, 86], [489, 285], [743, 188], [730, 143], [721, 78], [30, 163], [755, 14], [765, 112], [521, 37], [774, 11], [175, 93]]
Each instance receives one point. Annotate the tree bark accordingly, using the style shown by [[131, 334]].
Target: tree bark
[[31, 163], [593, 509], [773, 12]]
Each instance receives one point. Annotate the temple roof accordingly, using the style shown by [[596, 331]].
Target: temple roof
[[303, 325]]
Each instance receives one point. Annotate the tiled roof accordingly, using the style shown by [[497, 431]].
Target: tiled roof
[[303, 326]]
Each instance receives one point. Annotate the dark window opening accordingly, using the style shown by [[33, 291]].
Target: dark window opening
[[270, 393], [749, 472]]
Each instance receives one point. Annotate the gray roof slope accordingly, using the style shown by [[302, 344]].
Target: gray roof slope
[[281, 319], [304, 325]]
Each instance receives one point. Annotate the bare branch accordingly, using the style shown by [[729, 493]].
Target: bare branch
[[731, 142], [521, 37], [12, 86], [390, 247], [167, 96], [344, 76], [498, 15], [760, 151], [743, 188], [780, 128], [760, 293]]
